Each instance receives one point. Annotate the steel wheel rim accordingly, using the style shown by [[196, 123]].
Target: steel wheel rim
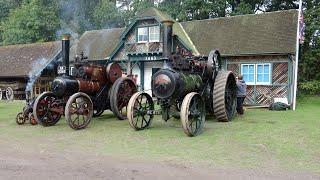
[[195, 115], [141, 110], [192, 114], [80, 112]]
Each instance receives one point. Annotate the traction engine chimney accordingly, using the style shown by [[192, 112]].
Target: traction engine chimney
[[65, 51], [167, 41]]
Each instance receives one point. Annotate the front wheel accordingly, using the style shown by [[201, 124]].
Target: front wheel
[[47, 109], [20, 119], [192, 114], [140, 111], [79, 111]]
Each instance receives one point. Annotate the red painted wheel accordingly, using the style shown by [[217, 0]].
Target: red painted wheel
[[47, 109], [121, 92]]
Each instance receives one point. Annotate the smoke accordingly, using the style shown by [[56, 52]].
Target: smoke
[[67, 30], [73, 15], [37, 68]]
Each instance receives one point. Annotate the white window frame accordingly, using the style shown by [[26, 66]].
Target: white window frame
[[147, 34], [156, 34], [255, 77], [254, 73], [263, 83]]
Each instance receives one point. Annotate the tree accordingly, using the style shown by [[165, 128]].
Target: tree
[[173, 7], [200, 9], [242, 8], [310, 50], [35, 21], [106, 15], [275, 5]]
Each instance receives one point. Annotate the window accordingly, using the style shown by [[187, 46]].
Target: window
[[151, 34], [154, 34], [263, 73], [256, 74], [248, 73], [143, 34]]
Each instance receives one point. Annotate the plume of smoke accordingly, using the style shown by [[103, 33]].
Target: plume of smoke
[[37, 67], [67, 30]]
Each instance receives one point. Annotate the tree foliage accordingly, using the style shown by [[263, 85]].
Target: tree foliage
[[32, 22], [106, 15], [310, 50]]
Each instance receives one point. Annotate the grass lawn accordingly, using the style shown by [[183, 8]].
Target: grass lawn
[[259, 139]]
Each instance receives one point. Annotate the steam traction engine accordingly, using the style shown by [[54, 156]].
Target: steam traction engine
[[91, 89], [187, 89]]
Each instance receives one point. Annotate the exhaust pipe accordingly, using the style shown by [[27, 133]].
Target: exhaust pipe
[[65, 52], [167, 41]]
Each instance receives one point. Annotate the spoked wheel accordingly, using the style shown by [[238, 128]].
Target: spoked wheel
[[97, 113], [20, 119], [121, 92], [224, 96], [32, 120], [47, 109], [9, 93], [193, 114], [79, 111], [140, 111]]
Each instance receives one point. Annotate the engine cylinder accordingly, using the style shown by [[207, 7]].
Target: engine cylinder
[[168, 83]]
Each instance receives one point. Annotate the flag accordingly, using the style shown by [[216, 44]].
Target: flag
[[301, 27]]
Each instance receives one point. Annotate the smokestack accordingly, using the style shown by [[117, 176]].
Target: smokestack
[[167, 40], [65, 51]]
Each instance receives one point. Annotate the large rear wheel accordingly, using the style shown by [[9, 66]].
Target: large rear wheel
[[140, 111], [47, 109], [193, 114], [121, 92], [224, 96], [79, 111]]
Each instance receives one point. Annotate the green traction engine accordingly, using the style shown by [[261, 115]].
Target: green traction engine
[[188, 89]]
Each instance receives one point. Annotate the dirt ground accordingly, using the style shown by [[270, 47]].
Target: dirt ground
[[30, 163]]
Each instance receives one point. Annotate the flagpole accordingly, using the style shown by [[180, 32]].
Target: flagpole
[[297, 59]]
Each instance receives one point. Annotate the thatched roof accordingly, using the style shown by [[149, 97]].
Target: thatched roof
[[97, 44], [19, 60], [266, 33]]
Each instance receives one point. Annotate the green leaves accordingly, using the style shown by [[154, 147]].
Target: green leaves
[[32, 22], [106, 15]]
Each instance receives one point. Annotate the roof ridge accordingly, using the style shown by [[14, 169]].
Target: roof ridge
[[29, 44], [237, 16]]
